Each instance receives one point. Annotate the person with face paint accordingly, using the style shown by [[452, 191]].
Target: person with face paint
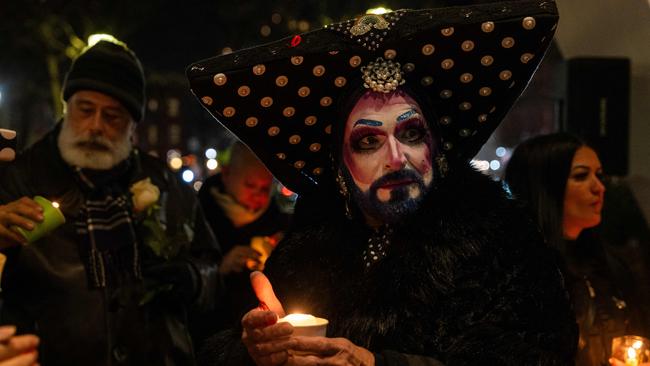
[[413, 256], [387, 153], [560, 179]]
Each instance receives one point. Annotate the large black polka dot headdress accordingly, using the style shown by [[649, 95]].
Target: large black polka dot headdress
[[472, 61]]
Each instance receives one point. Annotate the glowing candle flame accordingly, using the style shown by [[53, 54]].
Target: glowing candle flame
[[55, 204], [631, 357], [631, 354], [299, 319]]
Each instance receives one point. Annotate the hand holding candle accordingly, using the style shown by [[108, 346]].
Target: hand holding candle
[[273, 342], [52, 218], [630, 351], [22, 213], [268, 342]]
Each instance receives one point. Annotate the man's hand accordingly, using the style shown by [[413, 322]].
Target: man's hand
[[235, 260], [17, 350], [268, 342], [23, 213], [323, 351]]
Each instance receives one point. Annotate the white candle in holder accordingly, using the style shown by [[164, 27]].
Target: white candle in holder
[[306, 325]]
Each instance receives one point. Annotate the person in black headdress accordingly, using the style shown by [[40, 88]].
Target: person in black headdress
[[413, 256]]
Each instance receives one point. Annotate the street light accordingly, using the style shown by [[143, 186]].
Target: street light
[[378, 11]]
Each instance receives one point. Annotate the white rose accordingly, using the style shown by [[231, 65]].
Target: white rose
[[144, 193]]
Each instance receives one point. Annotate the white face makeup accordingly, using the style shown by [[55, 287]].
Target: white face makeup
[[387, 150]]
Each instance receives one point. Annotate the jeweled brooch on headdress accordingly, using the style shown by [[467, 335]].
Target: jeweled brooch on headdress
[[367, 22], [382, 76]]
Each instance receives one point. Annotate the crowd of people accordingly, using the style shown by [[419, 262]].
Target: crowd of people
[[412, 255]]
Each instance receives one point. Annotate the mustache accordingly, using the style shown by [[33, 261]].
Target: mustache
[[400, 175], [94, 142]]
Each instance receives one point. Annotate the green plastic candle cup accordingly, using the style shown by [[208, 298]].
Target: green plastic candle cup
[[52, 218]]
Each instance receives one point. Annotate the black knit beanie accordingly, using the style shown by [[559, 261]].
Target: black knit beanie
[[109, 68]]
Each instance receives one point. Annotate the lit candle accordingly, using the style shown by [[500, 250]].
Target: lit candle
[[631, 350], [631, 359], [52, 218], [306, 325]]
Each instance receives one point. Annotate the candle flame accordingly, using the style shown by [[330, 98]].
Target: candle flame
[[298, 318], [55, 204], [631, 353]]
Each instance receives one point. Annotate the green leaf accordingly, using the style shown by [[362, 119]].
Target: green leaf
[[151, 294]]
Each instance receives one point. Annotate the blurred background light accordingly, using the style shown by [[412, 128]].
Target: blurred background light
[[378, 11], [176, 163], [265, 30], [197, 185], [188, 175], [212, 164], [495, 165], [211, 153]]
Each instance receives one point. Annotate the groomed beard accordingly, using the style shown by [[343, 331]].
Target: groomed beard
[[401, 202], [92, 151]]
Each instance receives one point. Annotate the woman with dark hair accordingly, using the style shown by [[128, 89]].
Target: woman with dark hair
[[559, 177]]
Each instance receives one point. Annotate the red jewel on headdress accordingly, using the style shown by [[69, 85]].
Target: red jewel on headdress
[[296, 40]]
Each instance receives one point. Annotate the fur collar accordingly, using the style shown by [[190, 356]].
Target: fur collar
[[444, 270]]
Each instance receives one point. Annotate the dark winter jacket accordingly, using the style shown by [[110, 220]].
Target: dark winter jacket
[[45, 289], [607, 297], [466, 281]]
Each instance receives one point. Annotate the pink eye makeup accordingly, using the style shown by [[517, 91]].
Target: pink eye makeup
[[366, 138]]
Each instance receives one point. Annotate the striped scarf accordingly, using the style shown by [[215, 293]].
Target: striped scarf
[[108, 240]]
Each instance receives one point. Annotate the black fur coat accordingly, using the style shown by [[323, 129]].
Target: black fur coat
[[466, 281]]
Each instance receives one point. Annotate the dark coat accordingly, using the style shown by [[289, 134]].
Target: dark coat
[[607, 296], [466, 281], [45, 287]]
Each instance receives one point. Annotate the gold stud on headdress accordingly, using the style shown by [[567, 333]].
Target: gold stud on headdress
[[382, 76]]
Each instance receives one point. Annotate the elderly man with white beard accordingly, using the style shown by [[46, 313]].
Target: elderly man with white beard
[[114, 283]]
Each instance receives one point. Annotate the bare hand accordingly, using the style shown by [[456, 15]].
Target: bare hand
[[323, 351], [17, 350], [23, 212], [235, 260], [268, 342]]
